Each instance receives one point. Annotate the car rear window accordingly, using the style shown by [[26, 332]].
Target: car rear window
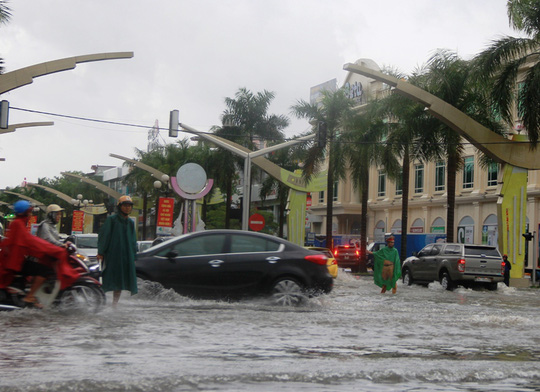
[[247, 244], [481, 250]]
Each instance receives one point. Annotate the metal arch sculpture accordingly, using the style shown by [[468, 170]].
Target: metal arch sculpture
[[63, 196], [23, 76], [154, 172], [103, 188], [516, 153], [37, 203], [14, 127]]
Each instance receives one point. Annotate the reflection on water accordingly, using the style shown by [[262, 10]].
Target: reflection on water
[[355, 339]]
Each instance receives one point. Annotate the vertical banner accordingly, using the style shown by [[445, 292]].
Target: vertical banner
[[164, 221], [77, 223]]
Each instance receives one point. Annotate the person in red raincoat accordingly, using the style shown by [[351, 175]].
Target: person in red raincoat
[[18, 243]]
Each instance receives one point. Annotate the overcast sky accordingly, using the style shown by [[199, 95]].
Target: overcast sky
[[191, 55]]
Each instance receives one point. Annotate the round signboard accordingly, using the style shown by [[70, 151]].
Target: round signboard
[[191, 178], [256, 222]]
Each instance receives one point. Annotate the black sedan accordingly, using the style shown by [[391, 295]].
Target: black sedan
[[233, 263]]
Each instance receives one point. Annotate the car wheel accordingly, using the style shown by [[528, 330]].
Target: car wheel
[[446, 282], [407, 277], [82, 296], [287, 292]]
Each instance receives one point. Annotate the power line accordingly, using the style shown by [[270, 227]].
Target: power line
[[225, 135]]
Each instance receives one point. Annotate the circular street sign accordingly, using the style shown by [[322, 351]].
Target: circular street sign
[[191, 178], [256, 222]]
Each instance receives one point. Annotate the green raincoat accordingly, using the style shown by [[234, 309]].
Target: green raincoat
[[117, 243], [389, 254]]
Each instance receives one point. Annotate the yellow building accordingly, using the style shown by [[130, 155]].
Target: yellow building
[[477, 193]]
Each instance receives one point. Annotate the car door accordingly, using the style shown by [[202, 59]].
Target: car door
[[189, 265], [248, 263], [420, 264], [432, 262]]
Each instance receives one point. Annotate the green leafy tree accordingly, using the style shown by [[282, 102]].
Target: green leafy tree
[[452, 79], [247, 122], [333, 107], [501, 64], [364, 131]]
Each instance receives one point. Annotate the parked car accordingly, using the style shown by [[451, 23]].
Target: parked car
[[331, 264], [373, 247], [234, 263], [86, 244], [347, 256], [455, 264]]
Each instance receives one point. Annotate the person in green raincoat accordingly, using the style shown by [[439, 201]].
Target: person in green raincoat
[[117, 249], [387, 266]]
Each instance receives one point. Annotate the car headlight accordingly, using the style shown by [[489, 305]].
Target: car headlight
[[83, 258]]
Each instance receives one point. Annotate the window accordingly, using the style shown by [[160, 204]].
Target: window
[[440, 176], [399, 183], [493, 174], [321, 197], [335, 197], [248, 244], [468, 173], [419, 178], [381, 190], [200, 245]]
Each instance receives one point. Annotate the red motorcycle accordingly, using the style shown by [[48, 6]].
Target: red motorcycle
[[84, 294]]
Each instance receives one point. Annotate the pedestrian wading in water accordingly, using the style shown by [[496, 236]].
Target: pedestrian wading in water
[[386, 267], [117, 250]]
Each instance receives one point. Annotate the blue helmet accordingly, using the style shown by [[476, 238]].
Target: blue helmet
[[21, 207]]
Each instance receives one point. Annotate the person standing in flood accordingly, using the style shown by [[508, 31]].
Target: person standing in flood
[[386, 266], [117, 250], [507, 268]]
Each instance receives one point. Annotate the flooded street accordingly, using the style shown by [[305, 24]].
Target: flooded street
[[355, 339]]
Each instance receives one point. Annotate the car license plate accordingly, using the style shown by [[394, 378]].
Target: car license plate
[[346, 257], [483, 280]]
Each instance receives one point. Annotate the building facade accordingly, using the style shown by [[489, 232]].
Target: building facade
[[477, 192]]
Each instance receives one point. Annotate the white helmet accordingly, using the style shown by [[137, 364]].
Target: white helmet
[[54, 208]]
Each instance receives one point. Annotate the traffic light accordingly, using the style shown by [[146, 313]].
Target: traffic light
[[528, 236], [173, 123], [322, 130], [4, 114]]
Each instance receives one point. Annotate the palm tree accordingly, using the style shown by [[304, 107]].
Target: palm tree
[[501, 63], [5, 16], [333, 107], [410, 138], [362, 139], [246, 120], [453, 80]]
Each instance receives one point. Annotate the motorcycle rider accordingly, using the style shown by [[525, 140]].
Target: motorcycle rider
[[18, 244], [47, 228]]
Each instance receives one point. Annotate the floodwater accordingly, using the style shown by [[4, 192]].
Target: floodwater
[[355, 339]]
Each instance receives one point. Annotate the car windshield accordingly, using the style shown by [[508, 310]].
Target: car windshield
[[87, 242]]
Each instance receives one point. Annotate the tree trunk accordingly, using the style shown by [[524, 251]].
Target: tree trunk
[[329, 203], [145, 212], [405, 203], [228, 200], [364, 194]]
